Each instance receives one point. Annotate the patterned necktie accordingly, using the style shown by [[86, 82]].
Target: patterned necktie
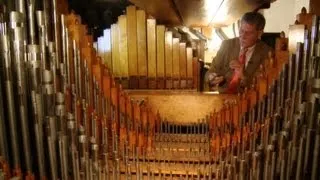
[[235, 80]]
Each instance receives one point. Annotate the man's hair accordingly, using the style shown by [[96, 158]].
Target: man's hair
[[254, 18]]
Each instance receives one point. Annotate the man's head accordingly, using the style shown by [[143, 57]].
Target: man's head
[[251, 28]]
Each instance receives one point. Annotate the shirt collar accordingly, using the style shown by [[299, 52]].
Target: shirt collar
[[251, 48]]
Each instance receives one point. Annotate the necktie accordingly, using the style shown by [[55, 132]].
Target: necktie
[[235, 80]]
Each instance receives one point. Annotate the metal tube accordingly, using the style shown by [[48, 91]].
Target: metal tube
[[57, 28], [6, 77], [18, 56], [31, 21]]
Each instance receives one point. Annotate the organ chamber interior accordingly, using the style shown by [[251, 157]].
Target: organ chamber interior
[[127, 104]]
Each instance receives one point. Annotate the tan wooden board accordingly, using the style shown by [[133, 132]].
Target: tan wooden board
[[142, 43], [151, 39], [115, 50], [189, 62], [175, 58], [183, 60], [160, 51], [168, 53], [132, 40], [123, 46]]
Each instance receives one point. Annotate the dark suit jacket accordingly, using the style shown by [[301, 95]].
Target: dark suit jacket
[[229, 51]]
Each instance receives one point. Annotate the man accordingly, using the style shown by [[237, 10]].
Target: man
[[238, 59]]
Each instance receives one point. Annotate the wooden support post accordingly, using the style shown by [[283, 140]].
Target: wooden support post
[[115, 51], [123, 51], [175, 63], [152, 61], [160, 57], [189, 68], [183, 65], [142, 49], [168, 59], [132, 47]]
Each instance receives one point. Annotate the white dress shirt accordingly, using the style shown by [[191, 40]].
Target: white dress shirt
[[249, 54]]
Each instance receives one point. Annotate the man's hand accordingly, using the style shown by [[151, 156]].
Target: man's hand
[[214, 79], [237, 67]]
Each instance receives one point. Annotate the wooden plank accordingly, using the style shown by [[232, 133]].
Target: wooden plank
[[123, 50], [132, 46], [175, 58], [196, 79], [182, 60], [183, 64], [189, 67], [107, 49], [168, 59], [152, 62], [175, 63], [115, 50], [142, 48], [160, 56], [189, 62]]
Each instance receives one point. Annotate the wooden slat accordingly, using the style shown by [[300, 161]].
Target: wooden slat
[[196, 79], [132, 40], [142, 43], [115, 50], [107, 48], [160, 51], [189, 62], [151, 38], [160, 56], [168, 59], [175, 58], [183, 60], [123, 46], [189, 68], [168, 53]]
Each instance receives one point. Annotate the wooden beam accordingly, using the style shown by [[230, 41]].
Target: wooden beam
[[183, 64], [152, 61], [168, 59], [142, 48], [160, 56], [189, 68], [175, 63], [132, 46], [115, 50], [123, 49]]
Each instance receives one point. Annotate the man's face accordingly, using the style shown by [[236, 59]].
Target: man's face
[[248, 34]]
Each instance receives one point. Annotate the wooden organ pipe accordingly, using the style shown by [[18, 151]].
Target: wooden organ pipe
[[149, 62]]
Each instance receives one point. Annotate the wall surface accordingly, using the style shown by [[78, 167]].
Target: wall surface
[[282, 13]]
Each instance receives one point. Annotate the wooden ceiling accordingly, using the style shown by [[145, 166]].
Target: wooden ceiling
[[197, 13]]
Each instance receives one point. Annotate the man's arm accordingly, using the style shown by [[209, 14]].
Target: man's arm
[[216, 68]]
